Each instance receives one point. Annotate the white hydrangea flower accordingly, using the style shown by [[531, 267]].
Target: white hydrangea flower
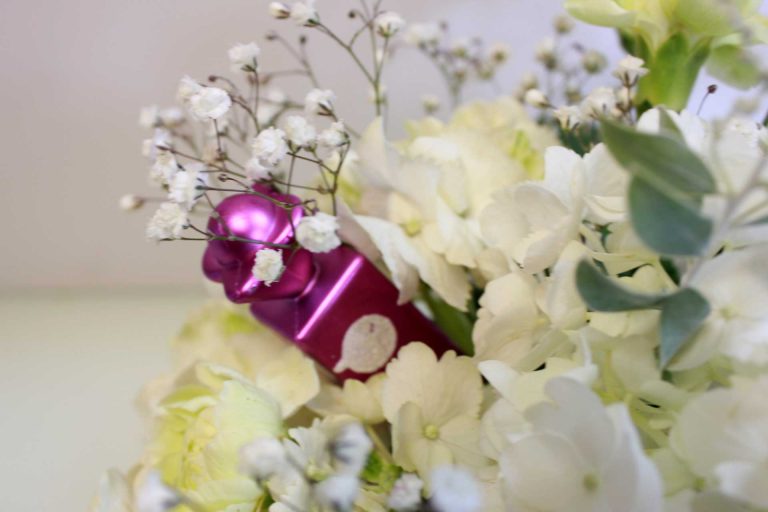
[[338, 492], [279, 10], [423, 34], [536, 98], [156, 496], [262, 458], [210, 103], [243, 55], [130, 202], [389, 23], [269, 146], [454, 489], [149, 116], [721, 435], [268, 265], [630, 69], [361, 400], [333, 136], [299, 131], [600, 102], [304, 12], [184, 187], [319, 101], [168, 222], [406, 493], [188, 87], [589, 455], [317, 233]]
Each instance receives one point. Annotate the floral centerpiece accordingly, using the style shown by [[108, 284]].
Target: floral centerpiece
[[596, 255]]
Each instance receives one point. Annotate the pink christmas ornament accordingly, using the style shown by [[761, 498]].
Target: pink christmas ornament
[[336, 307]]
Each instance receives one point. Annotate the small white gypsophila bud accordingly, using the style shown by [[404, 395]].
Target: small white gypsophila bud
[[333, 136], [462, 46], [569, 117], [378, 95], [351, 447], [160, 141], [243, 56], [498, 52], [624, 98], [629, 70], [185, 187], [164, 168], [265, 456], [149, 116], [546, 53], [572, 93], [431, 103], [389, 23], [319, 101], [317, 233], [268, 266], [256, 170], [406, 493], [454, 490], [270, 146], [299, 131], [210, 103], [155, 496], [188, 87], [563, 24], [131, 202], [171, 116], [337, 492], [304, 12], [529, 81], [423, 34], [279, 10], [593, 62], [167, 223], [536, 98], [600, 102]]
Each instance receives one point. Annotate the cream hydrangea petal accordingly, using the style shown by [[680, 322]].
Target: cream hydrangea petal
[[462, 436], [744, 481], [291, 378], [359, 399]]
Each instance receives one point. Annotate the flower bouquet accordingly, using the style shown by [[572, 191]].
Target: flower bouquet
[[552, 301]]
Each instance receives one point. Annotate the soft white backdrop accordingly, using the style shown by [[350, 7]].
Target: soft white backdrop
[[86, 304]]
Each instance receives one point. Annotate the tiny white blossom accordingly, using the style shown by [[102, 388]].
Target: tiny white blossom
[[423, 34], [593, 62], [167, 223], [164, 168], [563, 24], [546, 53], [630, 69], [334, 136], [171, 116], [279, 10], [130, 202], [160, 140], [431, 103], [338, 492], [351, 447], [319, 101], [188, 87], [406, 493], [299, 131], [155, 496], [210, 103], [318, 232], [454, 490], [265, 456], [536, 98], [389, 23], [498, 52], [270, 146], [529, 81], [148, 116], [243, 55], [600, 102], [267, 267], [304, 12], [184, 188], [378, 95], [256, 170], [569, 116]]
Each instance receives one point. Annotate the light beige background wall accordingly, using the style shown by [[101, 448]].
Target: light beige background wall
[[74, 75]]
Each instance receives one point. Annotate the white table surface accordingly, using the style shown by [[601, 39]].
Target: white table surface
[[71, 365]]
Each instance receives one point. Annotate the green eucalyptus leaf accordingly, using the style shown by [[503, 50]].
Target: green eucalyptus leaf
[[669, 127], [601, 293], [733, 65], [682, 314], [662, 160], [666, 224], [452, 321]]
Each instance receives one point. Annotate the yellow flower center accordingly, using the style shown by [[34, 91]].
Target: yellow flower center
[[431, 432]]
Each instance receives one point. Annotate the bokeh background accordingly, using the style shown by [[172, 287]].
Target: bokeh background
[[86, 304]]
